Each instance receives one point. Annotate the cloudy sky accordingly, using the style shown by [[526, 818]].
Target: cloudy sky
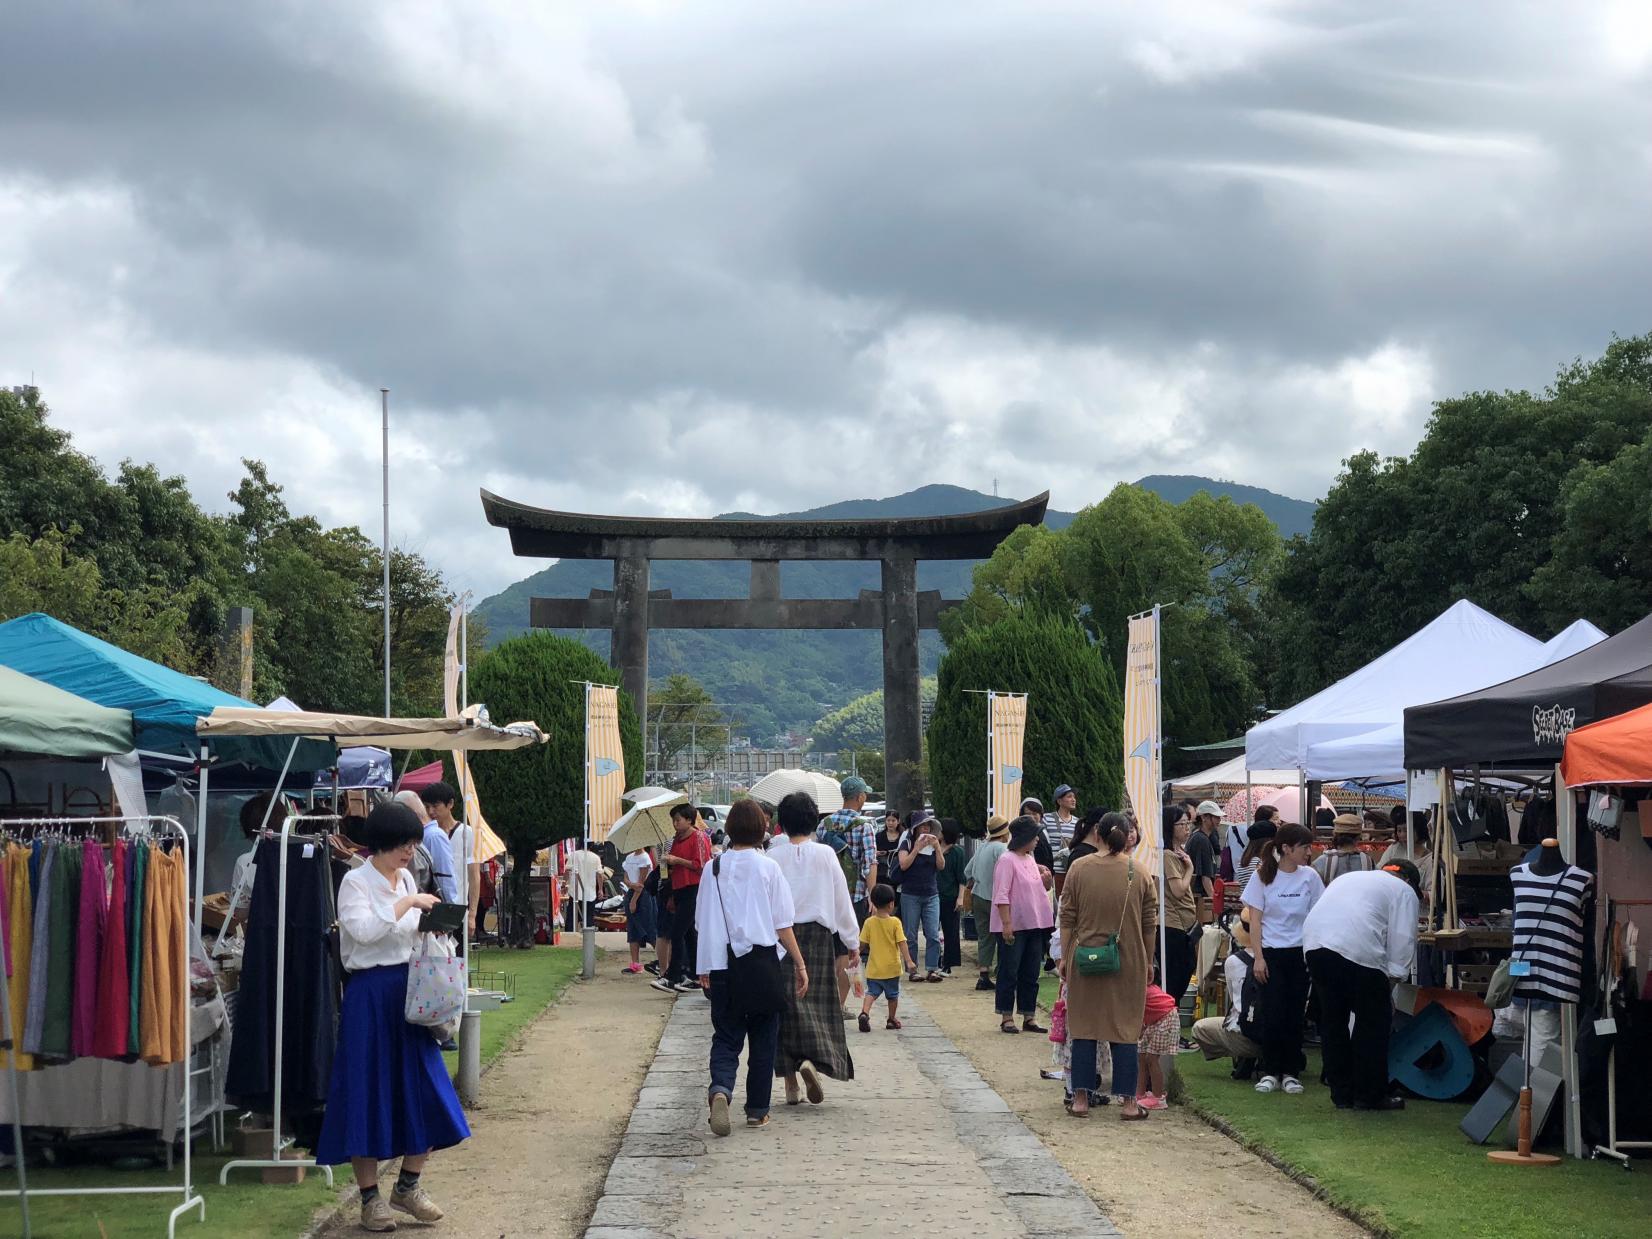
[[683, 258]]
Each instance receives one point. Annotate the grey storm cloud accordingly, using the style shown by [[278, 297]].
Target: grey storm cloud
[[699, 257]]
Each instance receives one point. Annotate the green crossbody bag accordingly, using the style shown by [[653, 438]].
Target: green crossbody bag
[[1099, 961]]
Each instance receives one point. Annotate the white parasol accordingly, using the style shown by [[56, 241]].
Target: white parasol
[[774, 787], [648, 824]]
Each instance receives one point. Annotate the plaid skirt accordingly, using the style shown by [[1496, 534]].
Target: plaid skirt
[[811, 1027], [1163, 1036]]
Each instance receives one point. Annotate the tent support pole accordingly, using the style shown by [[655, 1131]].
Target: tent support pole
[[1565, 807], [200, 836]]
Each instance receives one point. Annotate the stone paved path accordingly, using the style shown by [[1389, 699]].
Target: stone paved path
[[917, 1143]]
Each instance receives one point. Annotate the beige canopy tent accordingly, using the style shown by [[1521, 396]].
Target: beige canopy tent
[[469, 732]]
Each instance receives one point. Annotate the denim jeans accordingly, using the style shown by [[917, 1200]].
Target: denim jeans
[[731, 1031], [1124, 1067], [1019, 964], [925, 909]]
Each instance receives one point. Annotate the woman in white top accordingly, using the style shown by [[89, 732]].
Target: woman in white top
[[745, 908], [828, 939], [1283, 892], [390, 1094], [639, 906]]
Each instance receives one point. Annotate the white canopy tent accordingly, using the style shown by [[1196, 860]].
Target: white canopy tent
[[1465, 648], [1380, 753], [1233, 770]]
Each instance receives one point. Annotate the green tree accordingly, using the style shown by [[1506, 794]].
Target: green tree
[[859, 725], [1502, 485], [534, 797], [1074, 713], [682, 714], [1209, 560]]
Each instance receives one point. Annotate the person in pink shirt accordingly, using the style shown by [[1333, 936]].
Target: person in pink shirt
[[1022, 915]]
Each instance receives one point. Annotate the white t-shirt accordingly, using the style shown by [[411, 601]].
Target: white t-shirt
[[463, 838], [370, 936], [819, 893], [1369, 919], [582, 875], [637, 866], [744, 902], [1284, 904]]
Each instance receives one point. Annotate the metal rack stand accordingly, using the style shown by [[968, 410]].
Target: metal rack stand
[[279, 1143], [1614, 1148], [191, 1198]]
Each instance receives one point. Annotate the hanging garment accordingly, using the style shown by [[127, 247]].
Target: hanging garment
[[60, 953], [310, 1012], [21, 906], [1548, 931], [89, 944], [162, 1035], [114, 976], [45, 861], [137, 897]]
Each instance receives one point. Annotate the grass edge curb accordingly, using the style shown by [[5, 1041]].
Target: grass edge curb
[[1359, 1217]]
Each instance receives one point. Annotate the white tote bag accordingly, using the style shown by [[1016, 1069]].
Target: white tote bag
[[436, 985]]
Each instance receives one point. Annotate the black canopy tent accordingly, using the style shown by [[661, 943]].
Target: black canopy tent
[[1523, 723]]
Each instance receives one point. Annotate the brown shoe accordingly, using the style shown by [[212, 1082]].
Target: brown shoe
[[418, 1203], [376, 1215]]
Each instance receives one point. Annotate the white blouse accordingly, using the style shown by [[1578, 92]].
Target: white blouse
[[370, 936], [744, 902], [819, 893]]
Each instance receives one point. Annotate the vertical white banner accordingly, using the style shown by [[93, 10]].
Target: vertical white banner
[[1006, 738], [1142, 735]]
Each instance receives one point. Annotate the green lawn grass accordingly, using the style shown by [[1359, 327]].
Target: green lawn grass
[[245, 1207], [1414, 1174]]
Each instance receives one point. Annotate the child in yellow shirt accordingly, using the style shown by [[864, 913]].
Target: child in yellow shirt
[[887, 953]]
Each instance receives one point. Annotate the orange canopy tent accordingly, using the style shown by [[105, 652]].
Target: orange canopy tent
[[1614, 750]]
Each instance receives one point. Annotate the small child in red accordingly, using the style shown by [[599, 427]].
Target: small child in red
[[1161, 1029]]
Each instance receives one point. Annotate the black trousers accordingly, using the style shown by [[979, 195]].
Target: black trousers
[[1018, 966], [1356, 1065], [1178, 963], [952, 949], [1284, 999], [685, 939]]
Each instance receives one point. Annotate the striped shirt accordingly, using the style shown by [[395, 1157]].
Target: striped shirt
[[1548, 931]]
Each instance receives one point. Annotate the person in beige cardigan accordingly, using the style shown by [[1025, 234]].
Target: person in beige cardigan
[[1105, 895]]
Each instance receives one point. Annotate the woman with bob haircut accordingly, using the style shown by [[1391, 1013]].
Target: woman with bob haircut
[[1281, 895], [390, 1095], [744, 905]]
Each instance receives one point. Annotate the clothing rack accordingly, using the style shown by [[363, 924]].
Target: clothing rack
[[71, 828], [279, 1143], [1614, 1147]]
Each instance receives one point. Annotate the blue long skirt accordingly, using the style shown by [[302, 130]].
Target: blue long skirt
[[390, 1094], [639, 923]]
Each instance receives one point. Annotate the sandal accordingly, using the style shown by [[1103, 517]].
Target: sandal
[[1033, 1026], [935, 978], [1137, 1117], [1008, 1026], [865, 1022], [793, 1096], [892, 1022], [1076, 1113]]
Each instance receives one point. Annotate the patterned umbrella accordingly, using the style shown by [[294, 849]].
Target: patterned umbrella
[[1241, 807]]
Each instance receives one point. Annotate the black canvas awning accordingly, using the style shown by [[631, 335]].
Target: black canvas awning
[[1524, 722]]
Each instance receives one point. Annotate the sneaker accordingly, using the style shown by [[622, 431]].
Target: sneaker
[[1150, 1101], [984, 984], [661, 984], [652, 966], [1293, 1086], [376, 1215], [762, 1121], [418, 1203], [1267, 1084], [719, 1114], [633, 969], [687, 987]]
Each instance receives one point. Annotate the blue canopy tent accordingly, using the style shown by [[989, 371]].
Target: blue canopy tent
[[164, 703]]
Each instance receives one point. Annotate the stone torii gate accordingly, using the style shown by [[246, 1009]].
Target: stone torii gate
[[631, 609]]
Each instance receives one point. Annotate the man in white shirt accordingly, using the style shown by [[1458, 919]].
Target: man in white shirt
[[1361, 937], [440, 800], [585, 882], [1219, 1036]]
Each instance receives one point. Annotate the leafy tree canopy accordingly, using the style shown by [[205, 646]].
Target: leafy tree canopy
[[1074, 713], [682, 715], [859, 725]]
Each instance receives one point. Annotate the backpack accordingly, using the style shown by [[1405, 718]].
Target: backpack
[[423, 870], [839, 843], [1250, 1001]]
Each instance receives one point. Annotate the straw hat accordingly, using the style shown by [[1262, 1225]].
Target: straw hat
[[998, 827], [1347, 824]]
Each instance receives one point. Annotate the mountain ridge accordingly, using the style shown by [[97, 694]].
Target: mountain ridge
[[775, 681]]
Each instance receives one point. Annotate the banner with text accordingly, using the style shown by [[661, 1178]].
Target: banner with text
[[487, 844], [1006, 735], [1141, 735], [604, 761]]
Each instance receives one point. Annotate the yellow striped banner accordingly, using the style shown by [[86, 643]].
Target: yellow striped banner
[[604, 761], [1006, 735], [1141, 735]]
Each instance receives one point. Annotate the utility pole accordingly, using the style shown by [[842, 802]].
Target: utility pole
[[384, 412]]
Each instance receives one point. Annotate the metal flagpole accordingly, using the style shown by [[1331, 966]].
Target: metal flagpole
[[1158, 771], [384, 409], [991, 765], [588, 933]]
